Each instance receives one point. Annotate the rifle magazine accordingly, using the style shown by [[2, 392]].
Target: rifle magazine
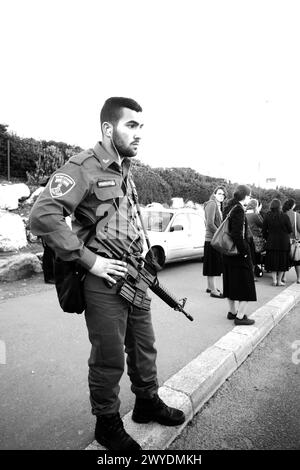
[[136, 297]]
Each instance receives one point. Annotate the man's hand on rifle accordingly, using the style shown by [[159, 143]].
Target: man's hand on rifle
[[103, 267]]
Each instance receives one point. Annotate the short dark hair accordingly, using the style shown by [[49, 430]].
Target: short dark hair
[[111, 110], [241, 192], [288, 204], [275, 205]]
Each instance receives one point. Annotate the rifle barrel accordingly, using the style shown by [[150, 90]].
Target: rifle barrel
[[159, 290]]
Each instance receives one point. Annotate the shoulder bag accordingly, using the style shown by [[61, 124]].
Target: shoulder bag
[[69, 279], [222, 241], [295, 245]]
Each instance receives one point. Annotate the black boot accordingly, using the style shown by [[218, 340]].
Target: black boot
[[111, 434], [154, 409]]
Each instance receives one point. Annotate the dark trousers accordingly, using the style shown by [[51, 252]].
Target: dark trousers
[[112, 324]]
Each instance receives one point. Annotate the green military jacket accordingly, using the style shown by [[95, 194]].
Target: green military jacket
[[91, 187]]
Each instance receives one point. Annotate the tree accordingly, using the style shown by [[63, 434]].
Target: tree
[[150, 186], [22, 155], [3, 130], [50, 158], [37, 160], [3, 148]]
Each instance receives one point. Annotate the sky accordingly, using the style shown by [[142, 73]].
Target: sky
[[218, 80]]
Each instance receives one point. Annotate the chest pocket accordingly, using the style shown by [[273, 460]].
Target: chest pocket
[[106, 189]]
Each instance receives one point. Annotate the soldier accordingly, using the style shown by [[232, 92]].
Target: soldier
[[96, 186]]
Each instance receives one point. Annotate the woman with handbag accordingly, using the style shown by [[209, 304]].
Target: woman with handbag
[[212, 263], [255, 223], [276, 230], [238, 278], [289, 208]]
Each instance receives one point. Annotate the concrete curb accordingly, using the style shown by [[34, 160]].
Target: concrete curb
[[191, 387]]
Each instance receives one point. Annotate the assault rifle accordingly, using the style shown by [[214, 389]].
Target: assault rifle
[[141, 274]]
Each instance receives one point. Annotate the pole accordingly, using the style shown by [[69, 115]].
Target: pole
[[8, 159]]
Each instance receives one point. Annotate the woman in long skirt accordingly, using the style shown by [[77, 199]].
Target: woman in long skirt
[[212, 264], [238, 278], [276, 230]]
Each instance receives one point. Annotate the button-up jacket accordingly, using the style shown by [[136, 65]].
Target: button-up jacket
[[92, 187]]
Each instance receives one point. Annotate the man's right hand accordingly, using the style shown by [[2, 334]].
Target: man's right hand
[[103, 267]]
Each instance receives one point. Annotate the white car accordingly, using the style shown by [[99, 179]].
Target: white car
[[174, 234]]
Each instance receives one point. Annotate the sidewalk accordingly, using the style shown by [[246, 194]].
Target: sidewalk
[[45, 397], [258, 407], [196, 383]]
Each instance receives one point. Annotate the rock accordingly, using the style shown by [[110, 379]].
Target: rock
[[12, 232], [8, 200], [21, 190], [34, 195], [11, 193], [19, 267], [40, 255], [31, 238]]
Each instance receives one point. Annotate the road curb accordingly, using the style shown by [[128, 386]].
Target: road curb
[[191, 387]]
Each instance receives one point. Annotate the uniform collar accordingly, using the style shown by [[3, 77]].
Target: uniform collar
[[106, 159], [103, 156]]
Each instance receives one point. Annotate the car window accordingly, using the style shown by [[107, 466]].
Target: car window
[[181, 219], [197, 223], [156, 221]]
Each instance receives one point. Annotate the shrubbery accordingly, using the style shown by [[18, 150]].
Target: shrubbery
[[37, 160], [30, 159]]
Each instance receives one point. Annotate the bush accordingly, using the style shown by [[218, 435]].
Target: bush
[[37, 160], [49, 159]]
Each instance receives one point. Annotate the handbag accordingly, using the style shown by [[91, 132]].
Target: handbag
[[222, 241], [69, 277], [295, 245]]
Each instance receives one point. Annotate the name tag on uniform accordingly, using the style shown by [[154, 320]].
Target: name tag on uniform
[[106, 184]]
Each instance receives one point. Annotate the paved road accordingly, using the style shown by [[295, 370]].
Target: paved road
[[43, 386], [258, 407]]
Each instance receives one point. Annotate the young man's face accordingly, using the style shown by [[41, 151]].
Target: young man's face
[[127, 132]]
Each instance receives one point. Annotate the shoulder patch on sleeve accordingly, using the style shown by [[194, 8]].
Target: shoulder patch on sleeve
[[61, 184], [81, 157]]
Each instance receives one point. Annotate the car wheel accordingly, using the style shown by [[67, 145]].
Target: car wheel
[[158, 255]]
